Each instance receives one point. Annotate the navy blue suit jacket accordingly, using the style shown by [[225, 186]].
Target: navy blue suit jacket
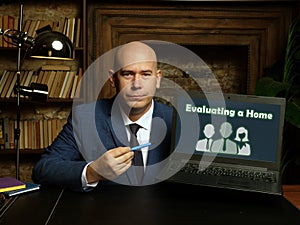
[[91, 130]]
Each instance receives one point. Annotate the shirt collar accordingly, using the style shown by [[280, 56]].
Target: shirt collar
[[144, 121]]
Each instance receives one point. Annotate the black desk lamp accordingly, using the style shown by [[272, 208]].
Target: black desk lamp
[[51, 45], [47, 44]]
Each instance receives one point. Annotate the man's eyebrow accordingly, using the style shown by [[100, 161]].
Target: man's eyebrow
[[147, 71], [132, 71]]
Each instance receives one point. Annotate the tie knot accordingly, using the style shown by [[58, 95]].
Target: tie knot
[[134, 128]]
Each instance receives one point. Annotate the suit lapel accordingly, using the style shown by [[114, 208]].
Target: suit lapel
[[157, 136], [117, 129], [114, 126]]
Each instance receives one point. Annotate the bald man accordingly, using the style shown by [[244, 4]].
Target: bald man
[[67, 162]]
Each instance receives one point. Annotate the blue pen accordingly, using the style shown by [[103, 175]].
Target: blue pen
[[140, 146]]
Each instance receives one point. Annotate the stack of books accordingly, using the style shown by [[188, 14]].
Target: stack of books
[[10, 186]]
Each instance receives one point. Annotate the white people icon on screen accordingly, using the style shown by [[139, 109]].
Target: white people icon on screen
[[242, 141], [239, 146], [224, 144], [205, 143]]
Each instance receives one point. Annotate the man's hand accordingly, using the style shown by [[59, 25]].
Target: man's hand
[[110, 165]]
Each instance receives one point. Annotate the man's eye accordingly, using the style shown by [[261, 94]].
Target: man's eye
[[127, 74], [146, 74]]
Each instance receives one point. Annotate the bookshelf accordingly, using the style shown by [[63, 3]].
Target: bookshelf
[[40, 123]]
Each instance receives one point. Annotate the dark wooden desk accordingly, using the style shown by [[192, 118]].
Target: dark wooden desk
[[31, 208], [292, 193], [160, 204]]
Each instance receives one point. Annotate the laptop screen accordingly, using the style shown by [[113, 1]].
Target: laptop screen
[[238, 129]]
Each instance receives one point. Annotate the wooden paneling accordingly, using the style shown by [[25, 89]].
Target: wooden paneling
[[263, 28]]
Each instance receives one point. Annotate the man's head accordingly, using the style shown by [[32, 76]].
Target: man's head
[[226, 129], [136, 77], [209, 130]]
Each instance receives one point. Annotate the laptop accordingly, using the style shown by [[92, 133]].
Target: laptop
[[227, 141]]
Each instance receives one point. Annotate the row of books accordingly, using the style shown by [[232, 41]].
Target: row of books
[[71, 27], [34, 134], [61, 83]]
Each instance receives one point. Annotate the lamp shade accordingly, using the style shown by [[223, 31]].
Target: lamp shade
[[52, 45]]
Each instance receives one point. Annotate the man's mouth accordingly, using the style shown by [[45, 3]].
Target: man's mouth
[[135, 97]]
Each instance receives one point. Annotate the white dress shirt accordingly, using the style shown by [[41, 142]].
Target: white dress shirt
[[143, 134]]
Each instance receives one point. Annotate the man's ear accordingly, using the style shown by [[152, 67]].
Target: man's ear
[[158, 78], [112, 78]]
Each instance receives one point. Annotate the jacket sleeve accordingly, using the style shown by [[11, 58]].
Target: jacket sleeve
[[62, 164]]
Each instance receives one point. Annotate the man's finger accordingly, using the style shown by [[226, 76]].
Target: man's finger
[[125, 157], [116, 152]]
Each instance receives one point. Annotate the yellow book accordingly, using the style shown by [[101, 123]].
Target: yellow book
[[31, 29], [78, 33], [45, 132], [64, 84], [74, 86], [3, 80], [22, 134], [27, 25], [7, 84], [67, 89], [50, 82], [10, 184], [41, 124], [11, 87], [78, 87]]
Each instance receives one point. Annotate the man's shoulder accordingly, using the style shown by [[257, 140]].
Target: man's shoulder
[[162, 106], [162, 110]]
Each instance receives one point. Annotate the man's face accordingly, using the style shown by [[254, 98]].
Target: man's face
[[136, 85], [209, 131], [226, 130]]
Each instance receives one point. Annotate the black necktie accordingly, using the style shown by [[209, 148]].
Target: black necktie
[[224, 144], [137, 159], [207, 143]]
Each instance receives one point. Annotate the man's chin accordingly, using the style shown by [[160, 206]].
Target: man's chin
[[138, 106]]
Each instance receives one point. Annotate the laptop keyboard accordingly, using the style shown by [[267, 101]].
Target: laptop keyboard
[[221, 171]]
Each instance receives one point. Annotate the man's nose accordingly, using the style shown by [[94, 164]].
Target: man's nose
[[136, 81]]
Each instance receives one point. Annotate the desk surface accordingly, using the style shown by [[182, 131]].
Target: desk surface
[[292, 193], [164, 203]]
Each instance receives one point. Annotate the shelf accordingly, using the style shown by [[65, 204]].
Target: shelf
[[22, 151], [50, 100], [15, 48], [8, 48]]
